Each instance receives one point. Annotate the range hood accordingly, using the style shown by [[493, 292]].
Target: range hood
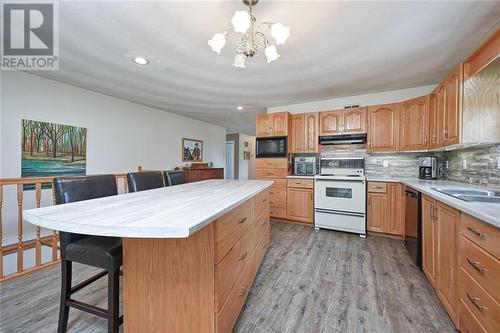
[[345, 139]]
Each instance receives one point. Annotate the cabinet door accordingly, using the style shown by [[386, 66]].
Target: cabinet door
[[433, 120], [446, 264], [263, 125], [300, 205], [453, 107], [330, 121], [429, 239], [298, 131], [279, 124], [311, 132], [354, 120], [383, 124], [377, 211], [396, 209], [414, 126]]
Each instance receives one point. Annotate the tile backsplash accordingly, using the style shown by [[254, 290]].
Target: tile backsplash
[[481, 166]]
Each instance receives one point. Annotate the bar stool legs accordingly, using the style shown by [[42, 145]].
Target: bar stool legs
[[113, 301], [65, 295]]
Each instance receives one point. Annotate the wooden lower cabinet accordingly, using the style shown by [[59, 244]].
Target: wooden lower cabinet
[[196, 175], [216, 267], [478, 290], [447, 221], [385, 208], [275, 169], [429, 240], [300, 200]]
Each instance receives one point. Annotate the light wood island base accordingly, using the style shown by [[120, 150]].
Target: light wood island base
[[199, 283]]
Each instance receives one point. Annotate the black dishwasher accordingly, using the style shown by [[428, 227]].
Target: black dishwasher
[[413, 225]]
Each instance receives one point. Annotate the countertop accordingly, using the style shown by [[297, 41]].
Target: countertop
[[487, 212], [169, 212]]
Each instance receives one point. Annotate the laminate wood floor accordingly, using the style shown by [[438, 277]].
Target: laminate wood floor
[[309, 282]]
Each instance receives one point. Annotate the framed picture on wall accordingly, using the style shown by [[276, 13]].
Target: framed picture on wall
[[192, 150]]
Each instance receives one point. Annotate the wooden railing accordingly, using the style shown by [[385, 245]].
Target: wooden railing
[[39, 241]]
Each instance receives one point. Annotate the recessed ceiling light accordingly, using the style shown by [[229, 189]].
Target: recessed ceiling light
[[239, 108], [141, 61]]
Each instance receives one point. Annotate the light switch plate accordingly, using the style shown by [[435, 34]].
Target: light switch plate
[[464, 164], [385, 163]]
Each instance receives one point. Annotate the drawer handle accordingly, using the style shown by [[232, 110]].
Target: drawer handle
[[475, 263], [243, 256], [477, 232], [243, 291], [265, 200], [242, 220], [474, 301], [272, 203]]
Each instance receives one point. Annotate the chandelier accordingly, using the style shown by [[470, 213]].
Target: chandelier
[[249, 38]]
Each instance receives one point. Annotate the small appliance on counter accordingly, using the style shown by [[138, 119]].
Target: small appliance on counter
[[428, 167], [305, 166]]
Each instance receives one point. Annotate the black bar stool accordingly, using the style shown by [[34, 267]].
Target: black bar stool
[[174, 177], [96, 251], [147, 180]]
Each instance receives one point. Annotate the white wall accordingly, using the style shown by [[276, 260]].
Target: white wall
[[121, 135], [385, 97]]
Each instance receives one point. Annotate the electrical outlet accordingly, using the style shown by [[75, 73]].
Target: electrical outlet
[[385, 163], [447, 165], [464, 164]]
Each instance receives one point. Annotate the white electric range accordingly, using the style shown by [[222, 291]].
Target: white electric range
[[340, 195]]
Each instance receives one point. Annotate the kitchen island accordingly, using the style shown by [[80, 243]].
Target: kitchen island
[[190, 251]]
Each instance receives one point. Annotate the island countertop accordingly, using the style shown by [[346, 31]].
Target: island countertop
[[169, 212]]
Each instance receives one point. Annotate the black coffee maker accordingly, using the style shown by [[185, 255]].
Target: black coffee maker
[[428, 167]]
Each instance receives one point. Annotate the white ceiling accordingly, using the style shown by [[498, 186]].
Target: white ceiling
[[335, 49]]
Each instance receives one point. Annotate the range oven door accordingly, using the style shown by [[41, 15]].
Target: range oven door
[[340, 205]]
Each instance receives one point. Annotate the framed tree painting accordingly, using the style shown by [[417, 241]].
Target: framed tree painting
[[192, 150]]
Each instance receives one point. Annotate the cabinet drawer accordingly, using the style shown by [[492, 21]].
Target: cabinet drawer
[[279, 184], [227, 316], [483, 234], [230, 227], [377, 187], [262, 223], [261, 202], [271, 163], [262, 247], [301, 183], [230, 268], [277, 199], [270, 173], [467, 323], [278, 212], [482, 266], [480, 303]]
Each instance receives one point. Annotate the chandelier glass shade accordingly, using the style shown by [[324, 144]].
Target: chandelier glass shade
[[249, 38]]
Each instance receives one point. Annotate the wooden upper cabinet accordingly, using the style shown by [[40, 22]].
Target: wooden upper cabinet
[[298, 131], [305, 133], [453, 107], [433, 120], [311, 132], [279, 123], [354, 120], [414, 127], [383, 127], [263, 125], [272, 124], [329, 122], [344, 121]]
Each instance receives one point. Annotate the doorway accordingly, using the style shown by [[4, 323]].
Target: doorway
[[229, 170]]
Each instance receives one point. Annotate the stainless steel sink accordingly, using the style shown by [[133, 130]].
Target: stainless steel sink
[[472, 195]]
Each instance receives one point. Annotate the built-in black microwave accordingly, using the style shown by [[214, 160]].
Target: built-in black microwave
[[271, 147]]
